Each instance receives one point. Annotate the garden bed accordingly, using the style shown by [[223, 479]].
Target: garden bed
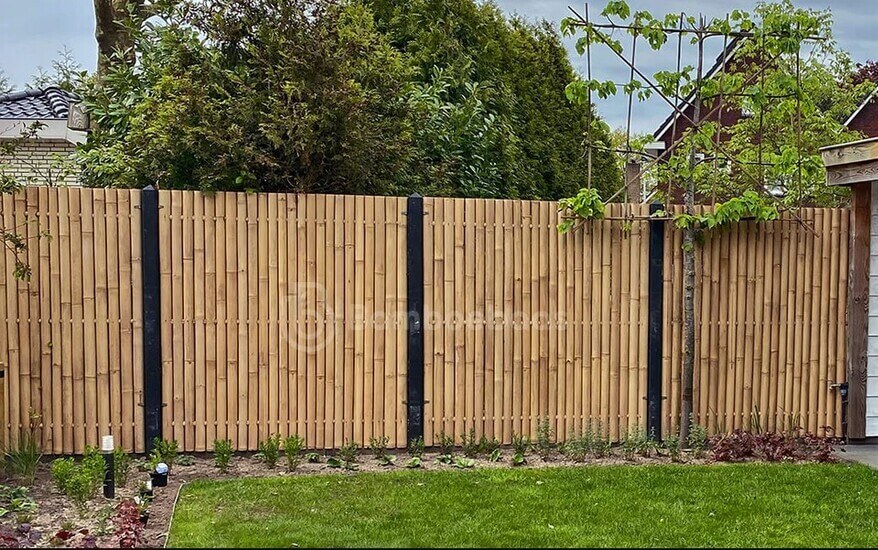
[[56, 521]]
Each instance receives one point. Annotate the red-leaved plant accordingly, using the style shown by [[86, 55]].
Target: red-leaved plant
[[129, 530], [742, 445]]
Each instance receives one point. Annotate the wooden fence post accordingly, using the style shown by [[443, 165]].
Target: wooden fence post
[[152, 335], [654, 320], [415, 316]]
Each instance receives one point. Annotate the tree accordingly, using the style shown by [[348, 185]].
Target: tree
[[5, 86], [505, 80], [796, 106], [114, 21], [67, 73], [254, 94], [342, 96]]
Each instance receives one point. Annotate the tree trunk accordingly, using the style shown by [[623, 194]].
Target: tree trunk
[[689, 264], [111, 32]]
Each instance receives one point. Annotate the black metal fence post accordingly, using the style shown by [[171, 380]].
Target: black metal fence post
[[415, 295], [152, 336], [654, 319]]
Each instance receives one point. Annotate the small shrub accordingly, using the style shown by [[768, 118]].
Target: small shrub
[[445, 459], [269, 450], [62, 470], [495, 455], [163, 450], [81, 487], [445, 444], [637, 442], [520, 444], [416, 447], [23, 457], [294, 445], [222, 454], [544, 439], [93, 464], [697, 437], [672, 445], [415, 462], [518, 459], [121, 466], [772, 447], [488, 446], [378, 446], [348, 454], [469, 445], [575, 448], [313, 458]]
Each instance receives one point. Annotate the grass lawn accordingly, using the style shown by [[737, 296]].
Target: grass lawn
[[718, 505]]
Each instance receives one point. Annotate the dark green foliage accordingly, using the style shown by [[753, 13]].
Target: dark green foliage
[[349, 453], [121, 466], [416, 447], [445, 443], [22, 458], [294, 445], [378, 446], [520, 444], [164, 450], [80, 482], [442, 97], [469, 444], [222, 454], [544, 439], [488, 446], [269, 450]]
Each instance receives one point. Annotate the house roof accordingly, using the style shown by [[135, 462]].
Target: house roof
[[862, 106], [51, 103], [724, 56]]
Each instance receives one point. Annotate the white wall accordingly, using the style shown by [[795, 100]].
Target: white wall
[[872, 381]]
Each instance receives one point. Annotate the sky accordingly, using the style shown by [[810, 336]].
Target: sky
[[33, 31]]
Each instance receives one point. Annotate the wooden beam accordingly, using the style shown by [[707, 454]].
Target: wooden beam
[[849, 174], [848, 153], [858, 309]]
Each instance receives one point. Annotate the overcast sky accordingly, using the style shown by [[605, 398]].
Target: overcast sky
[[32, 32]]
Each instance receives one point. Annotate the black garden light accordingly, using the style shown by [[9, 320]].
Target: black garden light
[[107, 446]]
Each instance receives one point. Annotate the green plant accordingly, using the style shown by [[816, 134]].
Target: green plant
[[416, 447], [585, 205], [544, 439], [495, 455], [445, 459], [269, 450], [313, 458], [414, 462], [121, 466], [445, 444], [222, 454], [62, 470], [164, 450], [81, 487], [672, 445], [464, 462], [697, 439], [518, 459], [184, 460], [349, 454], [294, 445], [93, 464], [378, 446], [469, 445], [23, 457], [488, 446], [520, 444]]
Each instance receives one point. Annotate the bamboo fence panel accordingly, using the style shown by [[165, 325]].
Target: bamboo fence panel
[[770, 322], [68, 342], [286, 314]]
